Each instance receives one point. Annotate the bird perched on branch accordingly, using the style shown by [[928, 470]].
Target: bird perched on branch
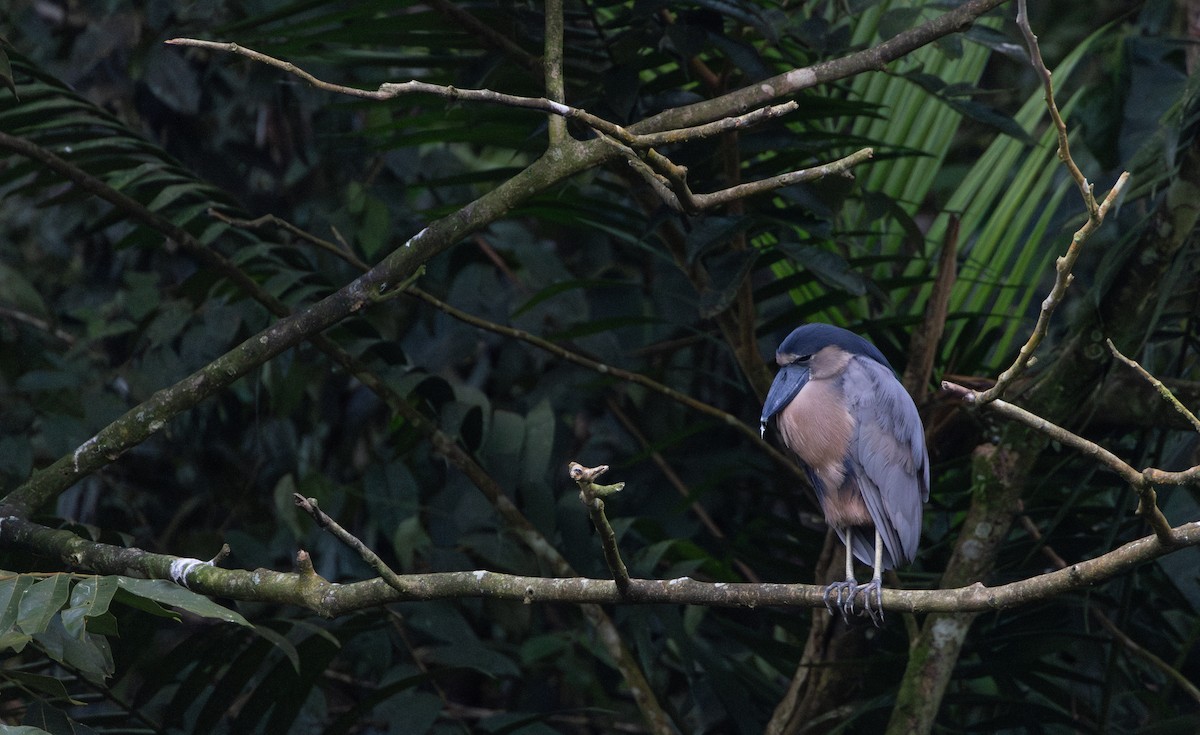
[[838, 406]]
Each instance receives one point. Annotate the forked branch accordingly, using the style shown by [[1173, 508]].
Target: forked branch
[[1066, 262]]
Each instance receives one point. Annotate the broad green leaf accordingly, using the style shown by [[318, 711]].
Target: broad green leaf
[[105, 625], [285, 505], [537, 450], [712, 232], [89, 653], [478, 657], [170, 194], [730, 270], [506, 436], [53, 721], [166, 593], [282, 643], [376, 228], [49, 685], [14, 640], [828, 266], [90, 598], [42, 602], [540, 647], [16, 291], [408, 539]]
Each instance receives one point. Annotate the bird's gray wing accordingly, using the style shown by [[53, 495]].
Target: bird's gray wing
[[887, 455]]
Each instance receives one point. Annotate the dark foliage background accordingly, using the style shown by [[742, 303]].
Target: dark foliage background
[[97, 313]]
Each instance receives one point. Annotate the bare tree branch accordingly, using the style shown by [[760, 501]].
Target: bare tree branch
[[309, 506], [1062, 280], [1147, 497], [1163, 390], [1064, 146], [1066, 262], [1000, 475], [552, 68], [152, 415], [307, 589], [592, 496], [923, 344], [789, 83]]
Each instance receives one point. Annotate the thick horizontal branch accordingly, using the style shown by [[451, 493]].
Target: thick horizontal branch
[[306, 589]]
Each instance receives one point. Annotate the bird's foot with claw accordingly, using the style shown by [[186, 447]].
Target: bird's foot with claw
[[873, 601], [842, 597], [839, 597]]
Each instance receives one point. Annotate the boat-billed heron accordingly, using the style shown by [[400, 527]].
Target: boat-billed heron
[[838, 406]]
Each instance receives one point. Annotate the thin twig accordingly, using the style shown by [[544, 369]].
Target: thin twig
[[392, 90], [677, 482], [669, 180], [1157, 384], [708, 130], [592, 495], [1062, 280], [840, 167], [309, 506], [1064, 146], [342, 251], [38, 323], [923, 344], [689, 202], [1096, 213], [1147, 497]]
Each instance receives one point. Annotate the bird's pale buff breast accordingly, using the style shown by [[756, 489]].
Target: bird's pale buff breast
[[818, 428]]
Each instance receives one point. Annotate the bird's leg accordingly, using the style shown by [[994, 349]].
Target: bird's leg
[[840, 595], [873, 590]]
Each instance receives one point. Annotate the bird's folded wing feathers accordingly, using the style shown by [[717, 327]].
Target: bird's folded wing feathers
[[888, 455]]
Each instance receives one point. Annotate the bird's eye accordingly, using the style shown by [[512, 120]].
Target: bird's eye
[[803, 358]]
